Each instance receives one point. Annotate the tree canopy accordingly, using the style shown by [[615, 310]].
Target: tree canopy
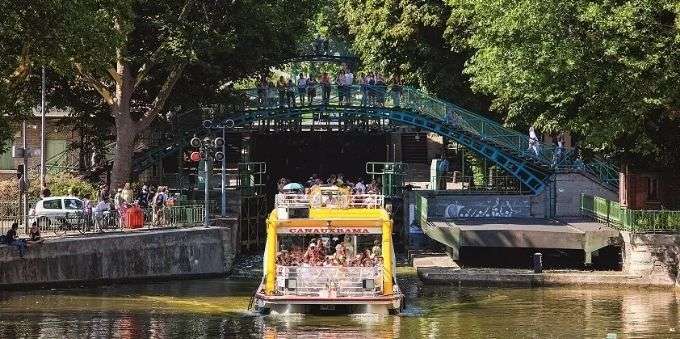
[[407, 37], [607, 71], [134, 53]]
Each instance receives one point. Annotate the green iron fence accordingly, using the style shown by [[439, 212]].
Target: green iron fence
[[638, 221]]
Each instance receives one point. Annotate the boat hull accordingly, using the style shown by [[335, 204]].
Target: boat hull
[[390, 304]]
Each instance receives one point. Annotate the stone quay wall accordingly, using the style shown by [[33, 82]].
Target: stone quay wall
[[656, 257], [157, 254]]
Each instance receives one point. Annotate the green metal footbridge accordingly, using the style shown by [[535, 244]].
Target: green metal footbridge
[[337, 108]]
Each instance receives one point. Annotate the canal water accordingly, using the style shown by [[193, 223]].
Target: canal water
[[217, 308]]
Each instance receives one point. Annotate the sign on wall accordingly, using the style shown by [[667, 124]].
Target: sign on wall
[[477, 206]]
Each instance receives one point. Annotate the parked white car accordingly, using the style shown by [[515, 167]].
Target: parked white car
[[54, 210]]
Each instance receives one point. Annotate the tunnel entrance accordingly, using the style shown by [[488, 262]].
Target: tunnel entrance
[[298, 155]]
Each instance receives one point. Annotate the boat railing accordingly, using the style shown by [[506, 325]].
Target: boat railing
[[286, 200], [331, 281]]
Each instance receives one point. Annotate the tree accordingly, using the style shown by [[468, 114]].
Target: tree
[[608, 71], [407, 37], [134, 53]]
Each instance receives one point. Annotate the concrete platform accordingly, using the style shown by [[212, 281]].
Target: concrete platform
[[574, 233], [518, 277], [440, 260]]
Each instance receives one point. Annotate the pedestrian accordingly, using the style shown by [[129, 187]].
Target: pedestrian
[[103, 192], [349, 81], [325, 88], [364, 89], [370, 84], [118, 198], [302, 88], [262, 87], [143, 197], [12, 239], [318, 45], [100, 212], [87, 210], [381, 89], [311, 89], [442, 172], [340, 81], [397, 90], [281, 88], [534, 144], [127, 195], [290, 93], [158, 208]]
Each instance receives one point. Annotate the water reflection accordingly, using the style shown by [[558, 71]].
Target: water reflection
[[216, 308]]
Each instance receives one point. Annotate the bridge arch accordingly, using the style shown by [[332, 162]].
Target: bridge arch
[[502, 146]]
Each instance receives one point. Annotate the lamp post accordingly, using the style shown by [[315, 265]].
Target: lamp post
[[207, 151], [42, 132], [25, 176]]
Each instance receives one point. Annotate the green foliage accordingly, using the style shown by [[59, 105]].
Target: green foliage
[[407, 37], [63, 184], [607, 71], [58, 185]]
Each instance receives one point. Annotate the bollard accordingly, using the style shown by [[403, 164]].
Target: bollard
[[538, 263]]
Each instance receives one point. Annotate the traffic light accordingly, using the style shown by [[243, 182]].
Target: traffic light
[[219, 156], [219, 142], [195, 156], [195, 142]]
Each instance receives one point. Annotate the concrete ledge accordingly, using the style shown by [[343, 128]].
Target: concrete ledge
[[154, 254], [516, 277]]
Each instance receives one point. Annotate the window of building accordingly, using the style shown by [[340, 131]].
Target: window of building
[[55, 147], [6, 161], [653, 189]]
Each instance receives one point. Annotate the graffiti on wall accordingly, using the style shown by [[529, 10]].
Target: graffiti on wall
[[481, 207]]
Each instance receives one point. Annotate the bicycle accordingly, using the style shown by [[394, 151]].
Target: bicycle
[[107, 221]]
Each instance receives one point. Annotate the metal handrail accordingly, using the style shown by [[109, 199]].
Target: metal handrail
[[329, 281], [288, 200], [637, 221]]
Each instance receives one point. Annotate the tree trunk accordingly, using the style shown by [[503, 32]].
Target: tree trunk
[[125, 141]]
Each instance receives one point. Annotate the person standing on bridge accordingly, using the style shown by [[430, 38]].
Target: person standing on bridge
[[311, 89], [534, 144], [281, 87], [349, 81], [370, 85], [397, 90], [325, 88], [262, 87], [340, 81], [290, 93], [302, 88], [364, 89], [381, 89]]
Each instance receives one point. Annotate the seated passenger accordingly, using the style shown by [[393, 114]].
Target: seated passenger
[[376, 251]]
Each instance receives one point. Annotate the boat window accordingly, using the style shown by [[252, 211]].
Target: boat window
[[330, 250]]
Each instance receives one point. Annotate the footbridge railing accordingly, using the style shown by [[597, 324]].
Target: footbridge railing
[[528, 151], [637, 221]]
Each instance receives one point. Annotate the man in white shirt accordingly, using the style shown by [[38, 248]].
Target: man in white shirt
[[302, 88], [102, 206], [349, 80], [340, 81]]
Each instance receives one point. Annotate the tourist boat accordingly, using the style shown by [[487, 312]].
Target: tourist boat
[[331, 217]]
